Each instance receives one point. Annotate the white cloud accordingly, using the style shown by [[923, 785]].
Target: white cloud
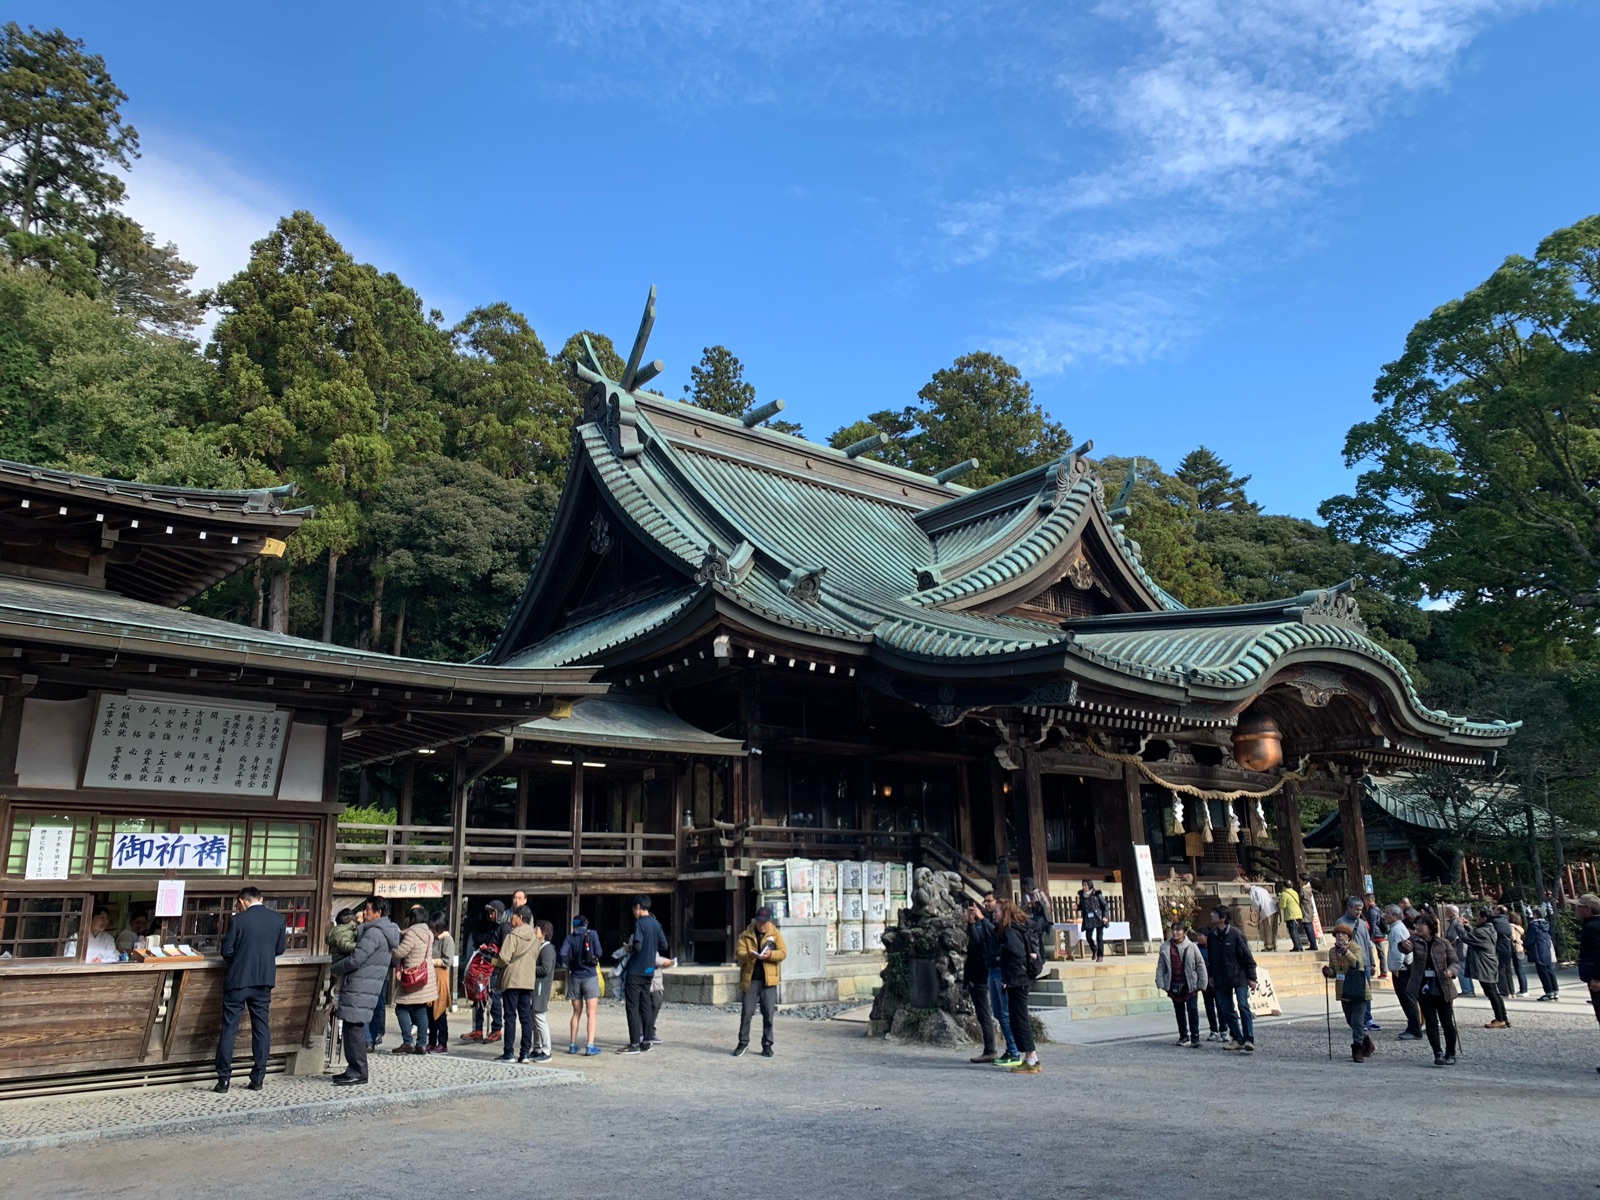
[[1226, 122], [187, 195]]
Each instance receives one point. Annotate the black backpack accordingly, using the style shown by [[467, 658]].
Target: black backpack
[[1033, 944], [587, 954]]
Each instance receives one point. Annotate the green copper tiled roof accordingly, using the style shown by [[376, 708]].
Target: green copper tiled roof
[[883, 562]]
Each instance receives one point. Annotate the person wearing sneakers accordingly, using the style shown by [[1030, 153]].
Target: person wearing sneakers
[[1542, 954], [1483, 964], [544, 977], [975, 977], [759, 953], [997, 988], [1234, 969], [1181, 974], [519, 961], [494, 929], [1347, 966], [1293, 913], [1015, 955], [1209, 995], [1589, 948], [1400, 973], [644, 948], [580, 954]]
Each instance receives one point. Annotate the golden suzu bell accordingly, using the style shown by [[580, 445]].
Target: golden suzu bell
[[1258, 743]]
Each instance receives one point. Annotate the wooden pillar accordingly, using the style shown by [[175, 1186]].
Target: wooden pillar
[[1291, 842], [750, 716], [1128, 819], [458, 836], [576, 826], [408, 779], [1354, 829], [998, 797], [1027, 794], [963, 821]]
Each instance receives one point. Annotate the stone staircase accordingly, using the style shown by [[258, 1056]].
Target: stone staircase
[[1121, 987]]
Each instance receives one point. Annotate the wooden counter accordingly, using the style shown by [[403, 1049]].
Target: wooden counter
[[65, 1018]]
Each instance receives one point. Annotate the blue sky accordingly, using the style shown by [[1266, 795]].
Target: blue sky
[[1187, 220]]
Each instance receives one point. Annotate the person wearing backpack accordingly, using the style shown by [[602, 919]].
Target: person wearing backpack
[[1021, 962], [1234, 969], [580, 954]]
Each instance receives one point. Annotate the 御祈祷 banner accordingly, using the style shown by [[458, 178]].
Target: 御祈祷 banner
[[161, 851], [185, 744]]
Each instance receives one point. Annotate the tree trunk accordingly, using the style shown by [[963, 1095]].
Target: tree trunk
[[399, 626], [278, 603], [328, 596], [377, 613], [260, 605]]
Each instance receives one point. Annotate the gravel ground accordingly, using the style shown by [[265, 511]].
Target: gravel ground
[[835, 1114]]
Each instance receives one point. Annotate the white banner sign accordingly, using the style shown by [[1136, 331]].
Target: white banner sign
[[173, 744], [49, 852], [163, 851], [1147, 892]]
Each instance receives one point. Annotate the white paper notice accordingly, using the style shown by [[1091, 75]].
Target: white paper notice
[[49, 852], [169, 898]]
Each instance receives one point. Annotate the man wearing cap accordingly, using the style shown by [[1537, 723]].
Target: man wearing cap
[[758, 953], [1589, 948], [494, 917]]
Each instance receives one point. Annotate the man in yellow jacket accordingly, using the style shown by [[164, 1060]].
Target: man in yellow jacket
[[759, 951]]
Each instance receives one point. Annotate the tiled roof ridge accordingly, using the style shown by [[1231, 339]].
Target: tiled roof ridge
[[253, 501]]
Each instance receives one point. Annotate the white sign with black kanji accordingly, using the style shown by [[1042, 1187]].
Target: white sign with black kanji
[[185, 744]]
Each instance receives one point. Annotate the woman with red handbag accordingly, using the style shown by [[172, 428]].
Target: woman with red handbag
[[416, 986]]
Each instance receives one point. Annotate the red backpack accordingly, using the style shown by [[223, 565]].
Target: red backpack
[[480, 971]]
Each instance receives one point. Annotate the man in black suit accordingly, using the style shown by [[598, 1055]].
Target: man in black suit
[[255, 938]]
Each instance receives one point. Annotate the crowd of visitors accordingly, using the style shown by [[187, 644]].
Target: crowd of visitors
[[1430, 956]]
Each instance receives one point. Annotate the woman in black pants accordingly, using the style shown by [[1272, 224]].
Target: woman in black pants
[[1011, 926], [1432, 984], [1483, 964], [1092, 912]]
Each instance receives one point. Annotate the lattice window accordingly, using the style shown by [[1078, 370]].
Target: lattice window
[[282, 848], [82, 824], [296, 912], [38, 926]]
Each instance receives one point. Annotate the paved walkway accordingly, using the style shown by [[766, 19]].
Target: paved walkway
[[184, 1108]]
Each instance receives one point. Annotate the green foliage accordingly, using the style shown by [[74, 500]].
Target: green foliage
[[325, 376], [86, 389], [1216, 487], [510, 408], [1163, 520], [1484, 463], [61, 138], [979, 407], [456, 542], [717, 383]]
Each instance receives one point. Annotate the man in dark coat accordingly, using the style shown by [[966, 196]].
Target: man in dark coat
[[255, 938], [1589, 948], [648, 943], [975, 977], [363, 975], [1233, 968]]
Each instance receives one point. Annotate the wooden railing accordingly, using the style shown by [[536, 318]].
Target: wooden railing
[[430, 847]]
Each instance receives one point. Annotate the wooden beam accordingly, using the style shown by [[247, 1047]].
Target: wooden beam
[[1291, 841], [1128, 820], [1354, 830], [1028, 810]]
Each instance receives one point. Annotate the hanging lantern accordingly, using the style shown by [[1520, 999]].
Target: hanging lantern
[[1258, 743]]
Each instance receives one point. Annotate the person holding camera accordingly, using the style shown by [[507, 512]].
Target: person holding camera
[[1181, 974], [759, 952], [975, 977]]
